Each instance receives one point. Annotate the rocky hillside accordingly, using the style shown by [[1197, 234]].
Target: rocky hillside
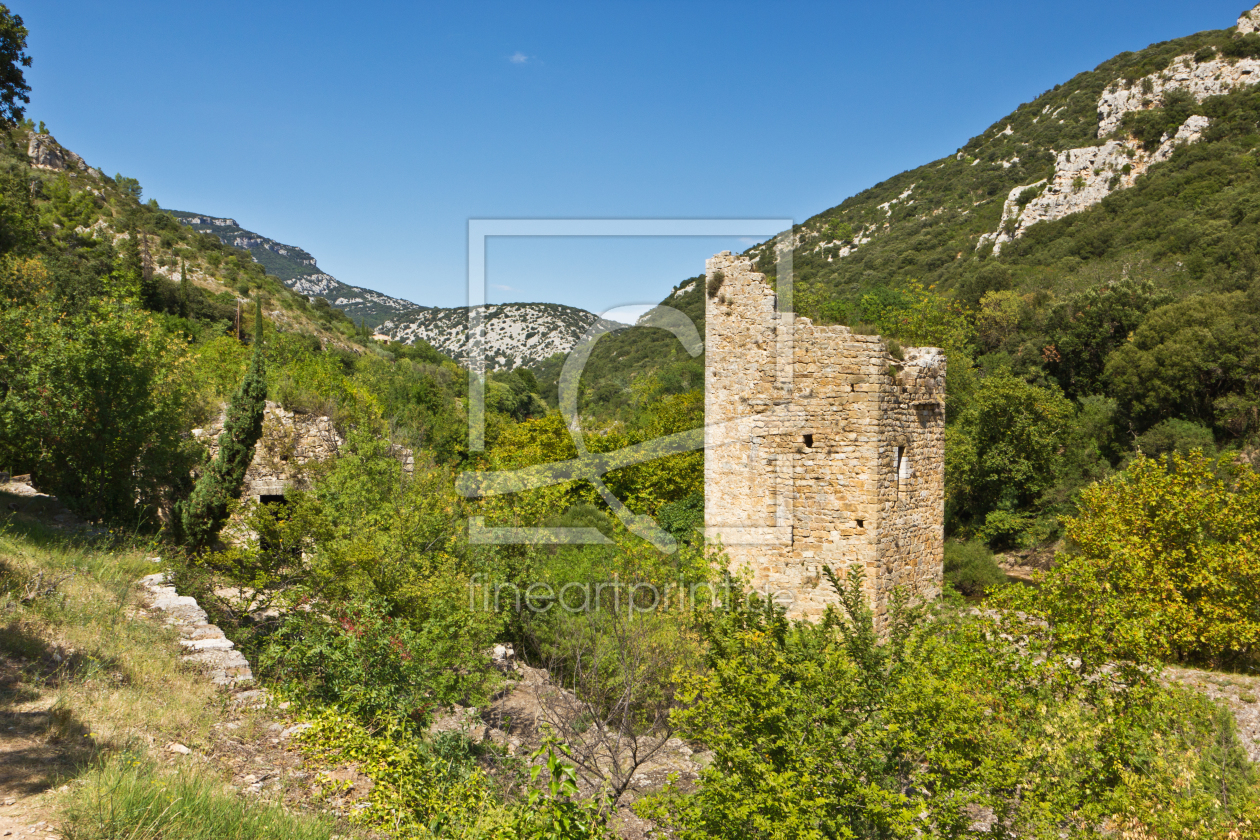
[[515, 334], [296, 268], [1140, 171], [1077, 177]]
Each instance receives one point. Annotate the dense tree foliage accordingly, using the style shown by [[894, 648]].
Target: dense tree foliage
[[14, 91], [1162, 561]]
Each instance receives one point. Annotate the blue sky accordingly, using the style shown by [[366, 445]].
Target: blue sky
[[370, 133]]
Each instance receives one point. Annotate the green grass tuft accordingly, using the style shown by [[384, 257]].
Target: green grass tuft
[[129, 798]]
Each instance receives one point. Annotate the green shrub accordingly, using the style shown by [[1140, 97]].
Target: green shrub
[[1004, 450], [715, 283], [683, 518], [1150, 126], [373, 666], [970, 567], [93, 406], [825, 730], [1180, 436]]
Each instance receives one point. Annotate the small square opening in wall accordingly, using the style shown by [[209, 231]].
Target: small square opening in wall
[[861, 523], [809, 441]]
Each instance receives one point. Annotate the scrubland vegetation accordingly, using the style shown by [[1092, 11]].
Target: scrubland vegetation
[[1102, 408]]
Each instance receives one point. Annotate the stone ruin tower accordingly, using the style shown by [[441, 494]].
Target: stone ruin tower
[[821, 449]]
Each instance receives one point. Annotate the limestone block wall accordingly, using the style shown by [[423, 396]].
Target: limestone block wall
[[821, 449]]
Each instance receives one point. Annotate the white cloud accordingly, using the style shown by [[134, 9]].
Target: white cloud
[[518, 58], [502, 288]]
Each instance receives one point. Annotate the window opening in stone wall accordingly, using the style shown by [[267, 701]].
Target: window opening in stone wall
[[809, 441], [861, 523], [898, 462]]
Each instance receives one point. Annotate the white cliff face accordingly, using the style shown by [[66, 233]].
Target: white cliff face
[[1249, 22], [1210, 78], [1084, 177]]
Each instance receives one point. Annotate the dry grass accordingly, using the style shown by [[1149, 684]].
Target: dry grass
[[83, 651]]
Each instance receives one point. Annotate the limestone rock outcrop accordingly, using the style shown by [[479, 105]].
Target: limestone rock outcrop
[[1249, 22], [1083, 178], [47, 153], [1201, 80]]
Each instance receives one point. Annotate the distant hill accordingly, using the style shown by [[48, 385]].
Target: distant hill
[[516, 334], [296, 268]]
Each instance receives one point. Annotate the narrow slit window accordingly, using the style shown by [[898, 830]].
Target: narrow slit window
[[897, 460], [903, 468]]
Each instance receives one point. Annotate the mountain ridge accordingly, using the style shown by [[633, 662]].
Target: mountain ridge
[[297, 269]]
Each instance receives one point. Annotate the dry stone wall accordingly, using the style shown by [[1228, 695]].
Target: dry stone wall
[[821, 449], [289, 442], [203, 643]]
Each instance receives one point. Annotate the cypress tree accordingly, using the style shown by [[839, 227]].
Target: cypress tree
[[184, 291], [131, 264], [203, 515], [149, 296]]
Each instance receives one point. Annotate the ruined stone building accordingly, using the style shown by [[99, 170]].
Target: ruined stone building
[[289, 442], [822, 448]]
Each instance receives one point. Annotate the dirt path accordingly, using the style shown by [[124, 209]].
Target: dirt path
[[37, 751]]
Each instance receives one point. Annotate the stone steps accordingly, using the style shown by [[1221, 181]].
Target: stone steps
[[203, 642]]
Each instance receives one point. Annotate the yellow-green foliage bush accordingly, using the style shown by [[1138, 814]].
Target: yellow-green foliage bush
[[1162, 561], [429, 787], [825, 730]]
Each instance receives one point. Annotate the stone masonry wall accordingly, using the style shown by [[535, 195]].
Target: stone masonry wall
[[820, 449], [289, 441]]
